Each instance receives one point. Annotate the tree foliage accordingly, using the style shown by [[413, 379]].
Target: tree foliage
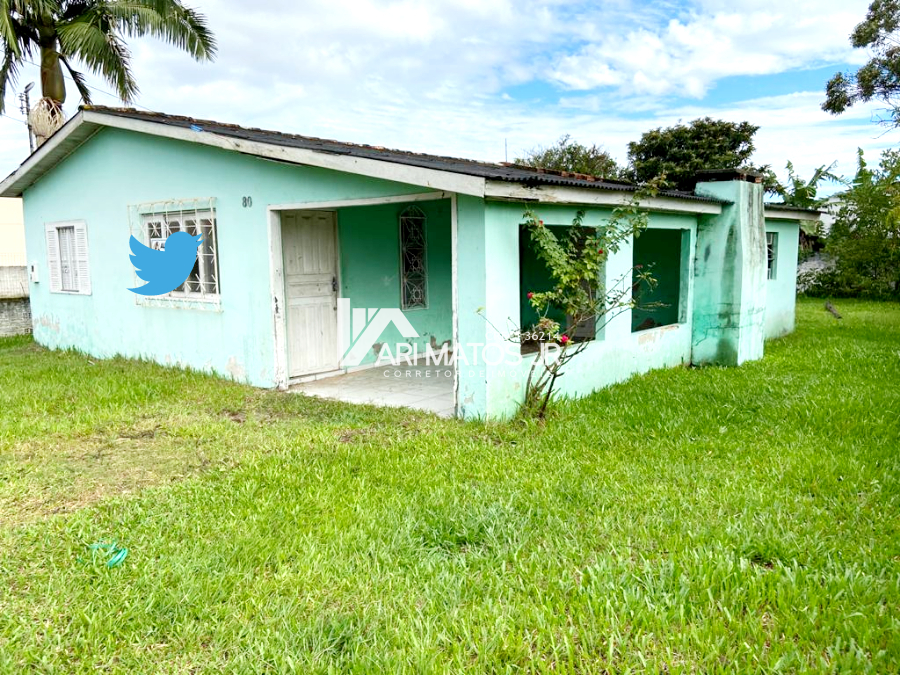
[[679, 152], [864, 241], [879, 78], [64, 33], [569, 155], [805, 193]]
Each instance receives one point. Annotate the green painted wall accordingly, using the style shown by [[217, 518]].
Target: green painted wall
[[369, 239], [730, 277], [474, 258], [115, 169], [781, 296]]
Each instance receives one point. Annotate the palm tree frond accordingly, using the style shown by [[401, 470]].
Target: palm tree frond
[[9, 71], [8, 35], [92, 40], [169, 20], [78, 79]]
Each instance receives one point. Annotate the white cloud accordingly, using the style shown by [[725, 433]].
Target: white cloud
[[718, 39]]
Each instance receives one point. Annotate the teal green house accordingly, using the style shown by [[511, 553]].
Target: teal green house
[[316, 255]]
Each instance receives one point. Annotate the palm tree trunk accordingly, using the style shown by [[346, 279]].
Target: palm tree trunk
[[53, 85], [47, 116]]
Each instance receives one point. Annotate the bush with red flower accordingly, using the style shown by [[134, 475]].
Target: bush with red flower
[[576, 262]]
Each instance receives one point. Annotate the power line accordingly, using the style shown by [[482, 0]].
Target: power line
[[14, 119]]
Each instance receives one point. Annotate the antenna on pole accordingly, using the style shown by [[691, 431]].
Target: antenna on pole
[[506, 150]]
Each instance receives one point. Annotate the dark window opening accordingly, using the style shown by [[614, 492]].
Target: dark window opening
[[534, 277], [771, 253], [659, 253]]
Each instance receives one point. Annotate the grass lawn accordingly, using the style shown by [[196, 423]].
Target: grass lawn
[[690, 520]]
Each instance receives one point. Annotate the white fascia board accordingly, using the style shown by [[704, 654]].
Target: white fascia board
[[778, 214], [363, 166], [553, 194]]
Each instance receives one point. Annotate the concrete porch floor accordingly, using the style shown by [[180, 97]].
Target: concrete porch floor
[[421, 387]]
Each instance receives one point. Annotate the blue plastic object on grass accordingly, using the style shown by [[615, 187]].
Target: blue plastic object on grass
[[116, 554]]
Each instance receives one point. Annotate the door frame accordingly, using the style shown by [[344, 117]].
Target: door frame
[[284, 298], [282, 379]]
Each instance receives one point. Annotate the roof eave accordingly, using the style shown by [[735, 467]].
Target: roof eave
[[85, 123], [782, 212], [552, 194], [61, 144]]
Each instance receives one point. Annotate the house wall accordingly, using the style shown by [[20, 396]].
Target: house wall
[[116, 169], [781, 295], [369, 238], [730, 277], [616, 355]]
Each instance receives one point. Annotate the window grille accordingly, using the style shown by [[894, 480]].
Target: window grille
[[160, 221], [413, 265]]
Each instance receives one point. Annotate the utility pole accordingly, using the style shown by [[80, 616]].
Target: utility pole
[[25, 107]]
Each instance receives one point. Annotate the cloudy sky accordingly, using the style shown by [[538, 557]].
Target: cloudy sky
[[488, 79]]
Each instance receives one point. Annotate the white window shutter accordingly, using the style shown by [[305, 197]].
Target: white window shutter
[[82, 259], [53, 269]]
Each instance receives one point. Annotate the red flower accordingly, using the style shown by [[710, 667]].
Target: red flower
[[564, 339], [600, 251], [541, 222], [530, 296]]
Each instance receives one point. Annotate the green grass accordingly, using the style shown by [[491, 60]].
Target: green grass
[[691, 520]]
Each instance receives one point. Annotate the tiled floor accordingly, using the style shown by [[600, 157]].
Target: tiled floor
[[421, 387]]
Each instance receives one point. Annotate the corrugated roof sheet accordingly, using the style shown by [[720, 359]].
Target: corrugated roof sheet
[[501, 172]]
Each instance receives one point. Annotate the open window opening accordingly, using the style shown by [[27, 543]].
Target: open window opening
[[534, 277], [659, 252], [771, 254]]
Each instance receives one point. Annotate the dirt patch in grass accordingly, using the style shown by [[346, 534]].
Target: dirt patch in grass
[[63, 475]]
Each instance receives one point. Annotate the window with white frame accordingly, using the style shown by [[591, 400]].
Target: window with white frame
[[68, 261], [203, 281], [413, 266], [771, 253]]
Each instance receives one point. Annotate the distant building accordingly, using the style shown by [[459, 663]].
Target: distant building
[[12, 232], [15, 311]]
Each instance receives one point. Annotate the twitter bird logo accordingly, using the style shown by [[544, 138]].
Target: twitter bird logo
[[164, 270]]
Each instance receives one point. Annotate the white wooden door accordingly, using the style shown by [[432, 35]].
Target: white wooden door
[[310, 286]]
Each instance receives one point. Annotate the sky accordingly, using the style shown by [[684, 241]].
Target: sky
[[492, 79]]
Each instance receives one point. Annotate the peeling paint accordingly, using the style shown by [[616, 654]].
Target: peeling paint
[[236, 370], [48, 321]]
